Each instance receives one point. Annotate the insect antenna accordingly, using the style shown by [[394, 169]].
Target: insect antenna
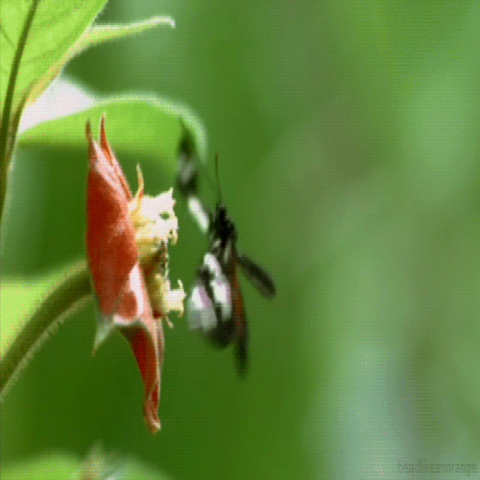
[[207, 176]]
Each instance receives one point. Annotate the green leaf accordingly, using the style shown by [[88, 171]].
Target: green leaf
[[147, 127], [33, 37], [104, 33], [93, 36], [52, 466], [37, 38], [55, 28], [132, 470], [62, 466]]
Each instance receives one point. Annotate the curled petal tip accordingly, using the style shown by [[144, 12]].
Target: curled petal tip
[[103, 135], [151, 416]]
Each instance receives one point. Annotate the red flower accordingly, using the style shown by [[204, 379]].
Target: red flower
[[127, 239]]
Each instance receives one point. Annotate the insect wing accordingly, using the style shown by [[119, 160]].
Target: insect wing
[[257, 275], [201, 312], [241, 352], [187, 175], [239, 321], [210, 304]]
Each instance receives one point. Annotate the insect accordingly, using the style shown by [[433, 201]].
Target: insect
[[216, 305]]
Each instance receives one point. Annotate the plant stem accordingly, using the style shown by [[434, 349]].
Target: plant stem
[[60, 302], [5, 152]]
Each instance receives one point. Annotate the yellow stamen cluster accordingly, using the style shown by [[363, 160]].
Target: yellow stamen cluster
[[155, 225]]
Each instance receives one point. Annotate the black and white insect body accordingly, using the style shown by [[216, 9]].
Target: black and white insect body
[[215, 305]]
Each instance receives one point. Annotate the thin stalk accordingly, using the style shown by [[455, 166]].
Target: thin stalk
[[59, 303], [7, 107]]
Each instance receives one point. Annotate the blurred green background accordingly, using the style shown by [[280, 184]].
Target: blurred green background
[[349, 144]]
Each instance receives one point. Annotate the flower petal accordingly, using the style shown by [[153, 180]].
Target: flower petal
[[107, 151], [145, 336], [117, 276], [110, 238]]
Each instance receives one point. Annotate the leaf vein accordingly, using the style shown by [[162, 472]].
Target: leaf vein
[[6, 36]]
